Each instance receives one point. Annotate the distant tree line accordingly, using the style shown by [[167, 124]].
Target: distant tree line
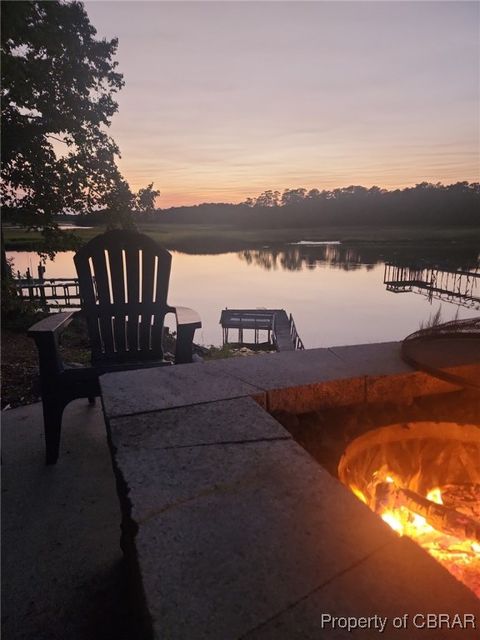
[[425, 204]]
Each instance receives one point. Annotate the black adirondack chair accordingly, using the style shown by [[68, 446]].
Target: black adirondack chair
[[123, 279]]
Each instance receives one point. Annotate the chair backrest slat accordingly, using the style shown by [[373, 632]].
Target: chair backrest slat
[[85, 275], [114, 256], [132, 258], [148, 263], [103, 288], [123, 279], [163, 278]]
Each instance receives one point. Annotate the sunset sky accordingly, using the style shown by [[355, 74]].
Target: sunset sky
[[223, 100]]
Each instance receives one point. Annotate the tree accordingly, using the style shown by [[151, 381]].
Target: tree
[[313, 194], [145, 199], [58, 86], [293, 197], [268, 199]]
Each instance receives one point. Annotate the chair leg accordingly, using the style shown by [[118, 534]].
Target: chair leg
[[183, 351], [52, 420]]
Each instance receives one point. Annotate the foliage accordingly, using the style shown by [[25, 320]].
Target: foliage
[[425, 204], [145, 199], [218, 353], [433, 320], [58, 83], [18, 314], [266, 199], [293, 197]]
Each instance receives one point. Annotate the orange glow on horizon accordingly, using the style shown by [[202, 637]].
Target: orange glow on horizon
[[178, 197]]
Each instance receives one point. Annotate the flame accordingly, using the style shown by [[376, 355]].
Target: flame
[[433, 460], [435, 495], [391, 518], [360, 495], [460, 557]]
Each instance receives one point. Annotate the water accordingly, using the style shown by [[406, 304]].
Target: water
[[335, 293]]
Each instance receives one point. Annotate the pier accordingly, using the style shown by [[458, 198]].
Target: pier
[[280, 329], [458, 286], [57, 293]]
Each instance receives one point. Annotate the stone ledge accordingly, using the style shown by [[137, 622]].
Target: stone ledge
[[381, 358], [267, 526], [221, 422], [171, 457], [162, 388], [229, 522], [300, 381]]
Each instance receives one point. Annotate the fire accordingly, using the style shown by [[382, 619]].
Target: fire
[[423, 480], [435, 495], [461, 556], [391, 518]]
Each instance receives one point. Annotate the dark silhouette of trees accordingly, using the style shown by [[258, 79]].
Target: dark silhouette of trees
[[145, 199], [293, 197], [58, 87], [266, 199], [425, 205]]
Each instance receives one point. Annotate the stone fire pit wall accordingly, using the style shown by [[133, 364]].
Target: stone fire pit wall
[[232, 530]]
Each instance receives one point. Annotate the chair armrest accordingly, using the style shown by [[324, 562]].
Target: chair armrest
[[55, 323], [186, 316], [187, 321], [46, 334]]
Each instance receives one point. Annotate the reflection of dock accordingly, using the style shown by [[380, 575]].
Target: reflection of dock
[[280, 328], [457, 286]]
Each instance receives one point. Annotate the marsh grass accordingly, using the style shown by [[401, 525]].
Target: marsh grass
[[218, 238]]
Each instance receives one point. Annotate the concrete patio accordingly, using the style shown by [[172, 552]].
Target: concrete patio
[[62, 569]]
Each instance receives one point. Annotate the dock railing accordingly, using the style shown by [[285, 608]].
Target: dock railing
[[281, 329], [459, 286], [297, 341], [56, 293]]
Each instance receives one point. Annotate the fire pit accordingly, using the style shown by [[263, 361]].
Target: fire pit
[[423, 479]]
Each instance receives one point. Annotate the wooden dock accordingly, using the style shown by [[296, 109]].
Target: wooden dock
[[280, 329], [54, 293], [452, 285], [57, 293]]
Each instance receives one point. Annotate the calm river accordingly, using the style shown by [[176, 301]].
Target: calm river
[[336, 294]]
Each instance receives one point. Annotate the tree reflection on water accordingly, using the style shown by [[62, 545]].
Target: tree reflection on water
[[351, 257]]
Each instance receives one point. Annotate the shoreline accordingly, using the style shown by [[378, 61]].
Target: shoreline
[[217, 239]]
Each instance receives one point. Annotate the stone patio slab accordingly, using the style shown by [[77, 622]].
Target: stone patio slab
[[398, 580], [225, 421], [387, 377], [263, 527], [285, 369], [381, 358], [299, 381], [168, 387], [172, 457]]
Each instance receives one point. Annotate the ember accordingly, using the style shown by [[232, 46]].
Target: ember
[[423, 479]]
